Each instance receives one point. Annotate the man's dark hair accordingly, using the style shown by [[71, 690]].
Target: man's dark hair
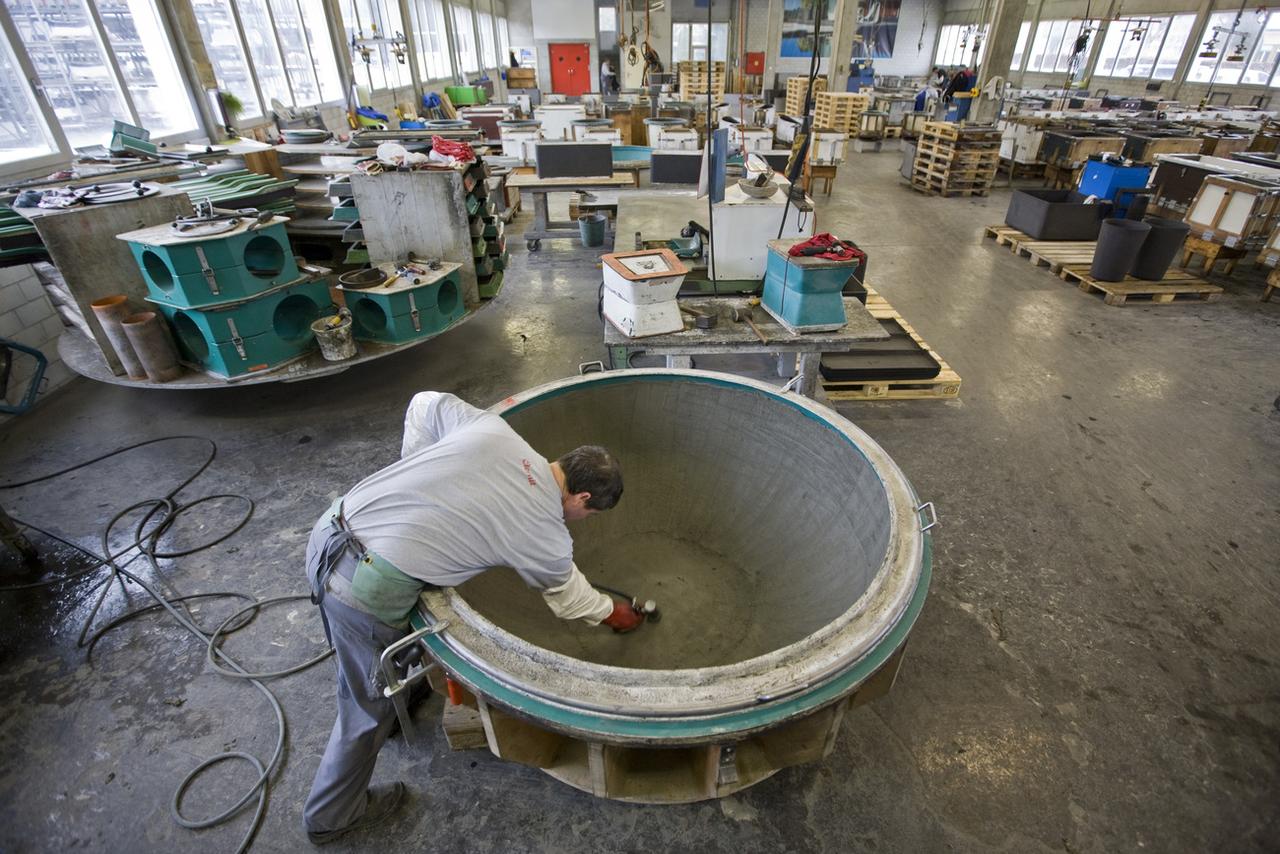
[[591, 468]]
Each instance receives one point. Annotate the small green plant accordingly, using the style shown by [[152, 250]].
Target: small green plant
[[233, 105]]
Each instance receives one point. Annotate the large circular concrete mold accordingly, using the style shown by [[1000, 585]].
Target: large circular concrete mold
[[787, 552]]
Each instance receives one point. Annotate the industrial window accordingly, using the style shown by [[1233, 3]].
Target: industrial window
[[488, 46], [1054, 48], [379, 55], [607, 19], [1143, 47], [25, 137], [265, 50], [1174, 42], [955, 44], [689, 42], [307, 51], [464, 38], [94, 62], [1020, 49], [1226, 49], [504, 42], [429, 37]]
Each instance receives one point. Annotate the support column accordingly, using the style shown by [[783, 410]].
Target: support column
[[773, 44], [195, 59], [342, 51], [1002, 38], [846, 27]]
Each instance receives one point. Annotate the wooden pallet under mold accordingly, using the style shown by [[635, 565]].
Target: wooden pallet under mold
[[1070, 260], [945, 386]]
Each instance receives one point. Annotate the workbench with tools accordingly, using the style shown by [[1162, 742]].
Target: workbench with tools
[[543, 227], [752, 332]]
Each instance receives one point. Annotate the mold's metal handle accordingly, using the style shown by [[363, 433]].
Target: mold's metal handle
[[596, 367], [390, 671], [932, 515]]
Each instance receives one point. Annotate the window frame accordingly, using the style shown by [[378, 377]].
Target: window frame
[[62, 149], [689, 25], [950, 34], [46, 116], [419, 12], [1056, 34], [1021, 47], [1168, 24]]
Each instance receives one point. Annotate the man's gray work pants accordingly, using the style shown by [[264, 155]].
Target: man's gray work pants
[[365, 716]]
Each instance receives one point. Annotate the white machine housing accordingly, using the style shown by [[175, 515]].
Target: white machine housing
[[786, 128], [521, 143], [640, 291], [613, 136], [827, 147], [676, 139], [744, 226], [557, 119], [756, 139]]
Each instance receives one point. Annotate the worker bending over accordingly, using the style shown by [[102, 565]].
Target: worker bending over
[[467, 494]]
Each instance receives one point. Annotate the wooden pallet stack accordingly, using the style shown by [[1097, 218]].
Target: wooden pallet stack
[[697, 77], [952, 160], [840, 110], [1072, 261], [797, 87]]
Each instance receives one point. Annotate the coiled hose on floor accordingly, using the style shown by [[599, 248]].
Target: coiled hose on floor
[[161, 514]]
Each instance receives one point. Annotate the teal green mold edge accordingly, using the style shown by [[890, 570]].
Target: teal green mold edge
[[706, 726]]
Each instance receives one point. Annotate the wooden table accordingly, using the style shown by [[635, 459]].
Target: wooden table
[[1213, 253], [825, 173], [542, 226], [679, 348]]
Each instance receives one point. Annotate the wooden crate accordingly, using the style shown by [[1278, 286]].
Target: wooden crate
[[796, 89], [839, 110], [522, 78], [945, 386]]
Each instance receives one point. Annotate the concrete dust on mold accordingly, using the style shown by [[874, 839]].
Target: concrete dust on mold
[[706, 604]]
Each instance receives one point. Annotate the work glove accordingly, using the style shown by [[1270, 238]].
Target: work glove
[[624, 618]]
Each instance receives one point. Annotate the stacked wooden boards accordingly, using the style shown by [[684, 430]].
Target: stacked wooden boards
[[797, 88], [839, 110]]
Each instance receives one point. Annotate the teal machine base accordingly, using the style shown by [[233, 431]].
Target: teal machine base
[[408, 310], [194, 272], [235, 338], [804, 293]]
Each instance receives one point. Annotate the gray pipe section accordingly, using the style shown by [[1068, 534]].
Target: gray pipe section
[[149, 334], [111, 312]]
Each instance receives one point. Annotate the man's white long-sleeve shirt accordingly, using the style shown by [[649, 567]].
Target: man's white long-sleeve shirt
[[469, 494]]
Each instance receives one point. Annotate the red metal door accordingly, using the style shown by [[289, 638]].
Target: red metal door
[[571, 68]]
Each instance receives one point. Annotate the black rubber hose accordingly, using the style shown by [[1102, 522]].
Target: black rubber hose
[[146, 544]]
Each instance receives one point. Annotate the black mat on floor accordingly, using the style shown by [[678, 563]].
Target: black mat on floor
[[897, 358]]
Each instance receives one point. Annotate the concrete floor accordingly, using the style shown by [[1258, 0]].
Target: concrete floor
[[1095, 670]]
